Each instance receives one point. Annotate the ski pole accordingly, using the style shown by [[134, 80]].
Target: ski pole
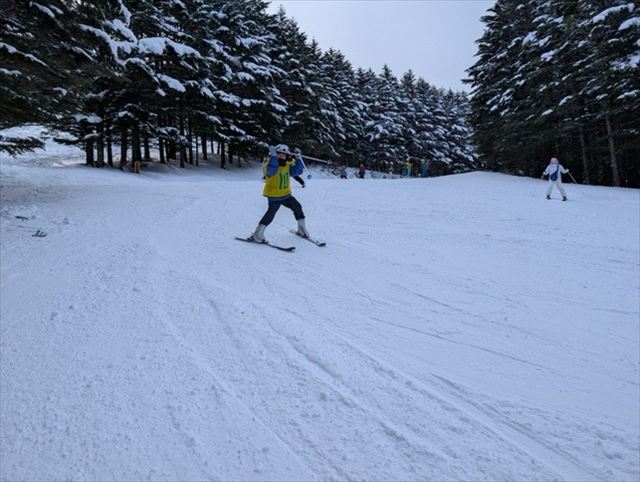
[[571, 176], [304, 166], [314, 159]]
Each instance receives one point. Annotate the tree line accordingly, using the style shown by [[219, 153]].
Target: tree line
[[560, 78], [176, 77]]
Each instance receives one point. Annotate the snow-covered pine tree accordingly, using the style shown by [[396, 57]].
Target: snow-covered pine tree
[[349, 110], [385, 130], [250, 106], [38, 56], [337, 105], [425, 122], [105, 41], [438, 128], [409, 107], [612, 80], [323, 116], [290, 54], [178, 74], [366, 95], [461, 152], [559, 77]]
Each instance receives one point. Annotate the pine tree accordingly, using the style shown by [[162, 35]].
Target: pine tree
[[559, 78], [385, 130], [38, 55], [350, 126], [172, 76]]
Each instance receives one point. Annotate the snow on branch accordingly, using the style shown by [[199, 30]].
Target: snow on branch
[[158, 45], [12, 50], [629, 23], [44, 9], [172, 83], [605, 13]]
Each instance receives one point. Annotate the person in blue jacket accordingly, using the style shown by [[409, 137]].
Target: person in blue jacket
[[278, 171]]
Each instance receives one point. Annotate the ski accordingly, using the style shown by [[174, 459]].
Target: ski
[[314, 241], [281, 248]]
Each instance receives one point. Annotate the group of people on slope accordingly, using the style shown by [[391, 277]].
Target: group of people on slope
[[408, 169], [415, 168], [283, 165]]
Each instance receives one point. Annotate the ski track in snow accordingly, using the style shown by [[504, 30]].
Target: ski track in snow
[[454, 328]]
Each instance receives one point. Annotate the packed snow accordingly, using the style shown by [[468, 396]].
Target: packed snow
[[453, 328]]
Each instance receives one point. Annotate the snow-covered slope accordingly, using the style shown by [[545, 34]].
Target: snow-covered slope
[[457, 328]]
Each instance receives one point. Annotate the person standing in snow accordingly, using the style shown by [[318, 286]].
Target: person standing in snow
[[361, 171], [408, 168], [555, 170], [277, 189], [298, 155], [424, 168]]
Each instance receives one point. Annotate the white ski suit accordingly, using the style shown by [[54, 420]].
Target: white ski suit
[[555, 172]]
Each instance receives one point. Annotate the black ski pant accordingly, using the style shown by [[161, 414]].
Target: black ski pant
[[291, 203]]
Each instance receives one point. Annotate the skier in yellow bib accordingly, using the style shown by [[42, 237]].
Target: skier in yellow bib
[[282, 166]]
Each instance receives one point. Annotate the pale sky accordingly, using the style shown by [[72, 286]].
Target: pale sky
[[434, 38]]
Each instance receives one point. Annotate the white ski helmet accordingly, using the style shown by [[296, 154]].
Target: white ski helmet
[[282, 148]]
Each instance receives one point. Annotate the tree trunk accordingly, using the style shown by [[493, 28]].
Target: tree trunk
[[612, 152], [161, 148], [135, 146], [181, 146], [222, 154], [190, 140], [136, 151], [585, 162], [109, 149], [204, 147], [89, 152], [171, 149], [195, 138], [147, 150], [171, 143], [123, 148], [100, 148]]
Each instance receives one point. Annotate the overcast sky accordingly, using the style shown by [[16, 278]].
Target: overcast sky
[[434, 38]]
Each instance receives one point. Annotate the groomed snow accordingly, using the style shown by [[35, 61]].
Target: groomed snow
[[455, 328]]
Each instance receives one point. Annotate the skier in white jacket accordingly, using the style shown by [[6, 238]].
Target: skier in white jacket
[[555, 170]]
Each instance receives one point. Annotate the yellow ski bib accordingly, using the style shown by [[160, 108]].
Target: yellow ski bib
[[277, 185]]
